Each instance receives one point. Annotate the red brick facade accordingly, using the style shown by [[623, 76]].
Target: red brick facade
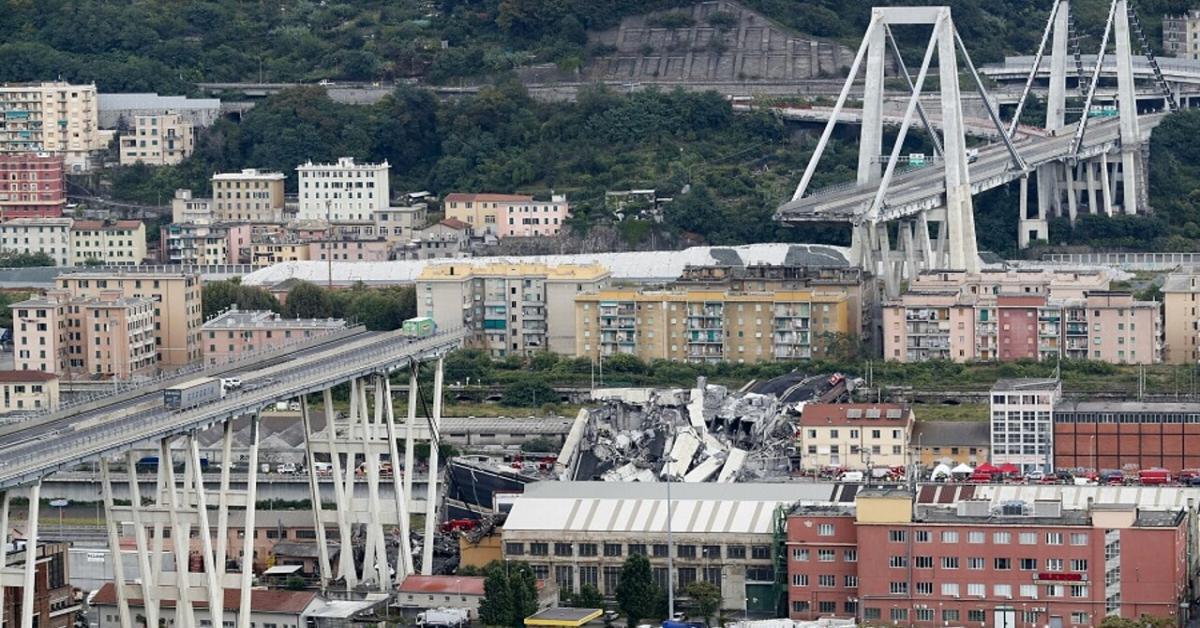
[[32, 185]]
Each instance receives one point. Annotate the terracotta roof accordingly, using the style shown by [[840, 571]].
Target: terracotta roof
[[460, 197], [261, 600], [817, 414], [454, 223], [26, 376], [465, 585], [100, 225]]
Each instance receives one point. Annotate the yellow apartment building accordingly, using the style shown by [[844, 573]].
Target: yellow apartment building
[[701, 325]]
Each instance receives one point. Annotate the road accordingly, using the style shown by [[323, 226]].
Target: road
[[29, 451], [924, 188]]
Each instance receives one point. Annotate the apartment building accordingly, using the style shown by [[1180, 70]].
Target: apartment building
[[448, 238], [267, 607], [711, 325], [350, 250], [32, 185], [1181, 317], [157, 139], [235, 333], [884, 561], [185, 208], [399, 225], [108, 242], [51, 236], [202, 243], [1034, 322], [177, 310], [104, 335], [344, 191], [508, 215], [54, 117], [274, 251], [513, 309], [23, 391], [856, 436], [1022, 422], [627, 518], [1181, 35], [248, 196]]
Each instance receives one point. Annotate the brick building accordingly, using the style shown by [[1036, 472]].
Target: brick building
[[32, 185], [1114, 435], [54, 604], [233, 334], [1017, 565]]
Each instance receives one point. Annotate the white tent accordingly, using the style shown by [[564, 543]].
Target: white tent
[[939, 471], [962, 468]]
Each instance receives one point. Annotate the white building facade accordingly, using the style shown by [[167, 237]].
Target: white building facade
[[51, 236], [344, 191], [1022, 421]]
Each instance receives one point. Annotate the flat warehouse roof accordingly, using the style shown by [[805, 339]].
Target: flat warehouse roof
[[642, 507]]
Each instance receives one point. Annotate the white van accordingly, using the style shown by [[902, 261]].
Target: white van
[[851, 476]]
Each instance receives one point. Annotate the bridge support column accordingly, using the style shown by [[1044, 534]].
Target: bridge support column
[[114, 546], [149, 575], [355, 447], [1131, 139], [1107, 185], [431, 519], [1030, 228], [1090, 177], [247, 562], [314, 487], [4, 503], [31, 540]]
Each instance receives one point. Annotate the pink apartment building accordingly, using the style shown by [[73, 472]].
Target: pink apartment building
[[1053, 315], [108, 335], [235, 333], [32, 185]]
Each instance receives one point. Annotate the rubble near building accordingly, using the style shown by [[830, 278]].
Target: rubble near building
[[703, 434]]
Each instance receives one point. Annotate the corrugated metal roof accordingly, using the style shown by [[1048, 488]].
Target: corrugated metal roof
[[638, 266], [1076, 497], [642, 507]]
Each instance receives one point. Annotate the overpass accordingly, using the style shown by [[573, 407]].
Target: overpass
[[1181, 75], [352, 447]]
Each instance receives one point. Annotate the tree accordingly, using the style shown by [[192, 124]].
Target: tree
[[509, 594], [637, 593], [307, 300], [527, 393], [1145, 621], [539, 445], [218, 296], [587, 597], [706, 598], [25, 260]]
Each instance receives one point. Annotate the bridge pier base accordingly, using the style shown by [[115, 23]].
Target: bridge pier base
[[1030, 228]]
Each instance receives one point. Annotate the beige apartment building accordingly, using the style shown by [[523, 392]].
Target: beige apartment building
[[508, 215], [110, 243], [398, 225], [234, 333], [268, 253], [163, 139], [1181, 35], [177, 309], [106, 335], [1181, 317], [854, 436], [53, 117], [187, 209], [248, 196], [51, 236], [22, 391], [705, 325], [1046, 316], [512, 309]]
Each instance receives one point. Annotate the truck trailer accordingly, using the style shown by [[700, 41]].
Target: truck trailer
[[193, 393]]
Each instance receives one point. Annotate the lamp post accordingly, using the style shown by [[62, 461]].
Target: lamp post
[[670, 548]]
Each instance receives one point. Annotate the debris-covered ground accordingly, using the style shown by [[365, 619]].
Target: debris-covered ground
[[703, 434]]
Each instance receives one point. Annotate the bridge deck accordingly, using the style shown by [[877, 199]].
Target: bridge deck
[[29, 452], [924, 188]]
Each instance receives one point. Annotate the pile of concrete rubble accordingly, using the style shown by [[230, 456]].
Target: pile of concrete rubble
[[703, 434]]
